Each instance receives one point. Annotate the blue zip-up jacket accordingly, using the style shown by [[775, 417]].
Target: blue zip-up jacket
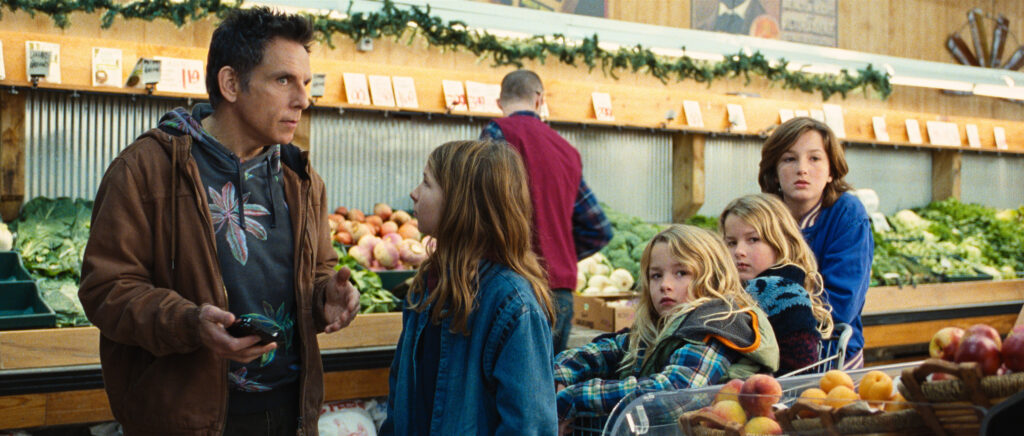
[[498, 380], [844, 247]]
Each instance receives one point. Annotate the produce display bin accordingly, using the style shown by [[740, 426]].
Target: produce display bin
[[11, 268], [22, 307], [390, 279]]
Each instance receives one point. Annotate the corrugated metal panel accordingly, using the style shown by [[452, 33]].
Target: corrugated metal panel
[[730, 171], [902, 178], [71, 139], [629, 170], [367, 158], [991, 180]]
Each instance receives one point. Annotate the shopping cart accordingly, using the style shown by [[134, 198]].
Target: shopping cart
[[832, 352]]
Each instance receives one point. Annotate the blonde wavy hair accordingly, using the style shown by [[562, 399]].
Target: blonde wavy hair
[[714, 277], [770, 217], [486, 214]]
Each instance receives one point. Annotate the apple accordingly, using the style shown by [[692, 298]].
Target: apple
[[1013, 349], [762, 425], [729, 391], [979, 348], [759, 393], [730, 411], [945, 342], [986, 331]]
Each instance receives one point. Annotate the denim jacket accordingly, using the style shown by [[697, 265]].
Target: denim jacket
[[498, 380]]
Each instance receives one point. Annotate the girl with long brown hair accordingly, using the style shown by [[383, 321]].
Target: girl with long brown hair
[[780, 272], [474, 356], [695, 326]]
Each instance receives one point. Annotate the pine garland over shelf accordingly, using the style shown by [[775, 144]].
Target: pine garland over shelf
[[393, 22]]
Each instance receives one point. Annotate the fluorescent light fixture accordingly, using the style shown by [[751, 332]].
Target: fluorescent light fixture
[[922, 82], [997, 91], [816, 68]]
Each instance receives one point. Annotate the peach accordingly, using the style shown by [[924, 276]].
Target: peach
[[945, 342], [729, 391], [835, 378], [840, 396], [875, 387], [762, 425], [812, 396], [759, 393], [897, 403], [730, 411]]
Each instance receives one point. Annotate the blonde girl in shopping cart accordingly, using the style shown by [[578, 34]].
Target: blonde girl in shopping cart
[[779, 271], [695, 326]]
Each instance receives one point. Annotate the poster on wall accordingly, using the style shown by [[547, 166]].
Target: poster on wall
[[804, 21], [593, 8], [106, 66]]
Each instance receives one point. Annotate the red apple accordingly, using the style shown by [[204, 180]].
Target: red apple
[[986, 331], [730, 410], [759, 393], [1013, 349], [945, 342], [979, 348]]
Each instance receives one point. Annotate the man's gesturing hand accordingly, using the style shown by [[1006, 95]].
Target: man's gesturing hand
[[342, 301]]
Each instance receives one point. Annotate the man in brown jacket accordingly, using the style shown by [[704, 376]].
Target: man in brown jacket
[[211, 216]]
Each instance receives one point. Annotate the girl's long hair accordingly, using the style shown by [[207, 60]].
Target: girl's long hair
[[713, 277], [783, 138], [770, 217], [487, 214]]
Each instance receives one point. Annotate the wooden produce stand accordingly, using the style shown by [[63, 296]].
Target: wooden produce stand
[[52, 377]]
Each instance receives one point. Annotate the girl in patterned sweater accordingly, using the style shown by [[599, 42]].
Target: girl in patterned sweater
[[695, 326], [780, 272]]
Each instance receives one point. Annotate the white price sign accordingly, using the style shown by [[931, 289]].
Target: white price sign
[[180, 75]]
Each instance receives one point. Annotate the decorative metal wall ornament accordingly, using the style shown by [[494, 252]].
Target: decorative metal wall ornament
[[990, 56]]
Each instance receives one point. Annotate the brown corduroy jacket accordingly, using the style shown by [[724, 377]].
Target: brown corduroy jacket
[[151, 262]]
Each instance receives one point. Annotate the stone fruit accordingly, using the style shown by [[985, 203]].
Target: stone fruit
[[762, 425], [729, 410], [382, 210], [986, 331], [979, 348], [729, 391], [389, 227], [759, 393], [945, 342], [840, 396], [1013, 349], [387, 254], [875, 387], [811, 396], [897, 403], [835, 378], [400, 217]]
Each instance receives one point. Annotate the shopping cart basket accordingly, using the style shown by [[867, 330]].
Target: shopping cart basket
[[832, 352]]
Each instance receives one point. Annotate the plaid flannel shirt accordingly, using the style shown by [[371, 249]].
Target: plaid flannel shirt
[[590, 227], [591, 385]]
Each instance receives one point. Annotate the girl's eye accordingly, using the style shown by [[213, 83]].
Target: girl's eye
[[753, 240], [730, 243], [655, 276], [681, 273]]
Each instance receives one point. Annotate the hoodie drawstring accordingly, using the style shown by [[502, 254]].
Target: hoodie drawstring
[[238, 194], [270, 193]]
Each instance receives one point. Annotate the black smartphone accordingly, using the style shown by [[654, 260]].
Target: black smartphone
[[248, 326]]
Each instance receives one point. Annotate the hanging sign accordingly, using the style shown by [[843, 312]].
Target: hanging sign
[[318, 86], [180, 75], [106, 67], [46, 58]]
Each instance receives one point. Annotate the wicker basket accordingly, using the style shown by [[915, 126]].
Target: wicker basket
[[855, 419], [956, 407]]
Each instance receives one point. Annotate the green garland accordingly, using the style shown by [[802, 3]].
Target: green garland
[[390, 21]]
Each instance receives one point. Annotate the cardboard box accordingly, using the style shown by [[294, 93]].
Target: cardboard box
[[596, 313]]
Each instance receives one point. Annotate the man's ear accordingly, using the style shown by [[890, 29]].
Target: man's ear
[[499, 104], [538, 102], [230, 85]]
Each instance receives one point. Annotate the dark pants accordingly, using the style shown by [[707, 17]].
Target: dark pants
[[563, 318], [281, 421]]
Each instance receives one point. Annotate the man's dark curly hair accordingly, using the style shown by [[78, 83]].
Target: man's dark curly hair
[[240, 41]]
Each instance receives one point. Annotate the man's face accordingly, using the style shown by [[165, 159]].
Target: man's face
[[271, 105]]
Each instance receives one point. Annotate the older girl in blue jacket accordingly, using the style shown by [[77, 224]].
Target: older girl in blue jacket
[[474, 357]]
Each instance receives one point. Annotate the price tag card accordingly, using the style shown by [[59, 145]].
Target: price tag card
[[973, 138], [802, 113], [482, 97], [818, 114], [318, 86], [405, 92], [737, 122], [106, 67], [913, 132], [786, 115], [356, 91], [943, 133], [381, 92], [454, 96], [834, 119], [180, 75], [881, 132], [1000, 137], [3, 74], [602, 106], [52, 72], [691, 109]]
